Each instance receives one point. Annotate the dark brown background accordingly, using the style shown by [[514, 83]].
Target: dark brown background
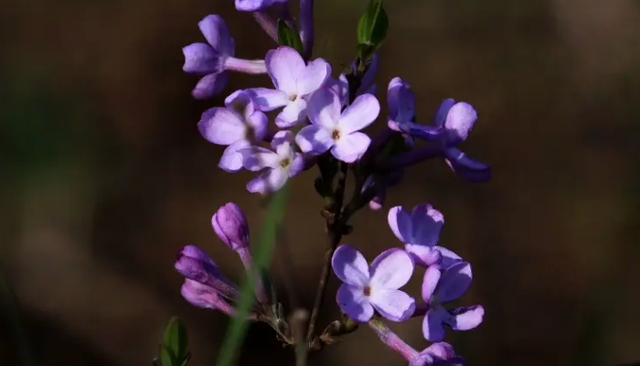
[[104, 175]]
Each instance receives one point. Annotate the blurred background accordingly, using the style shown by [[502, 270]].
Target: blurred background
[[104, 176]]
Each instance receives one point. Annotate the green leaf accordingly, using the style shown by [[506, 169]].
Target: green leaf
[[373, 24], [365, 54], [261, 258], [288, 36], [174, 350]]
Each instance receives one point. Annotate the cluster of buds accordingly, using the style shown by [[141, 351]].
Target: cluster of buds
[[320, 121]]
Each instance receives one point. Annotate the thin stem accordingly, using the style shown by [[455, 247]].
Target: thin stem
[[245, 66], [409, 158], [388, 337], [267, 23], [306, 27], [334, 225]]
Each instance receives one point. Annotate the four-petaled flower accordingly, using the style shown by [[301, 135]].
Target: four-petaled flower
[[237, 125], [294, 81], [335, 130], [280, 165], [439, 287], [209, 59], [419, 231], [366, 288]]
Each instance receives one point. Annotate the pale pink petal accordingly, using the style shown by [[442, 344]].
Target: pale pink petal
[[351, 147], [221, 126], [255, 158], [284, 64], [360, 114], [231, 160], [292, 114], [314, 140], [268, 99], [323, 108], [313, 77], [394, 305]]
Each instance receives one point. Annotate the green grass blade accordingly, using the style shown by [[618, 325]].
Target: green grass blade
[[261, 258]]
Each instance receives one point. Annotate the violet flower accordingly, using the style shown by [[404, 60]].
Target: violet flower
[[380, 184], [440, 287], [437, 354], [205, 297], [230, 224], [212, 59], [341, 84], [419, 230], [194, 264], [339, 131], [280, 165], [294, 81], [255, 5], [237, 125], [366, 288]]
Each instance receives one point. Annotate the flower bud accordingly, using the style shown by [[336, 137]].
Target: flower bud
[[230, 224], [205, 297], [195, 265]]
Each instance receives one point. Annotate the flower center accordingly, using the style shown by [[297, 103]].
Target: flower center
[[335, 134], [367, 291], [293, 97], [284, 163]]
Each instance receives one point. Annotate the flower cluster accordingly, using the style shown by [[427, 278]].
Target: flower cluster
[[369, 289], [319, 120]]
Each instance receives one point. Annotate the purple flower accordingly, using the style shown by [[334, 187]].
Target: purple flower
[[367, 288], [380, 184], [331, 129], [230, 224], [341, 84], [195, 265], [212, 59], [294, 81], [236, 125], [203, 296], [440, 287], [436, 354], [254, 5], [419, 230], [280, 165]]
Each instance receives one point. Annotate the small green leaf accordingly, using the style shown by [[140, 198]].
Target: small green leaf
[[373, 24], [174, 349], [288, 36], [365, 53]]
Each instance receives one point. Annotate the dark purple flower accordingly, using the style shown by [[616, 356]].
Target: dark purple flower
[[440, 287], [230, 224], [366, 288], [380, 184], [213, 58], [294, 81], [336, 130], [237, 125], [195, 264]]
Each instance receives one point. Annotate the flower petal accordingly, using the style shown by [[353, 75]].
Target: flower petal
[[430, 282], [401, 101], [280, 138], [314, 75], [323, 108], [200, 58], [360, 114], [231, 160], [252, 5], [215, 30], [269, 181], [221, 126], [258, 122], [460, 119], [368, 78], [454, 282], [353, 303], [423, 255], [340, 86], [284, 64], [391, 269], [442, 112], [351, 147], [292, 114], [426, 224], [255, 158], [449, 258], [200, 295], [432, 325], [427, 133], [297, 165], [469, 169], [466, 318], [210, 85], [350, 266], [394, 305], [314, 140], [441, 350], [268, 99], [400, 223]]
